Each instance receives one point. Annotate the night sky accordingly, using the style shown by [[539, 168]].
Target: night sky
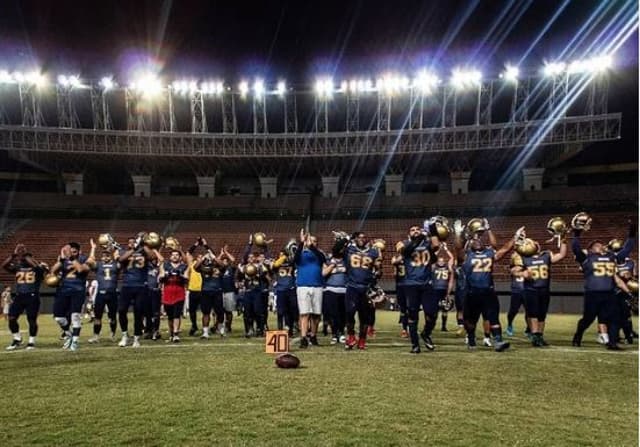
[[298, 40]]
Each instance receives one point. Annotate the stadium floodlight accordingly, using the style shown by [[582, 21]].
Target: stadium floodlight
[[243, 87], [36, 78], [147, 83], [553, 68], [181, 86], [425, 81], [107, 83], [258, 87], [281, 88], [511, 73], [595, 64], [18, 76], [391, 84], [324, 88], [5, 77], [69, 81], [461, 79]]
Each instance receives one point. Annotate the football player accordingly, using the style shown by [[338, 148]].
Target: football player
[[134, 263], [70, 296], [211, 298], [517, 294], [286, 299], [335, 274], [599, 269], [194, 286], [29, 274], [229, 286], [418, 253], [481, 297], [626, 270], [442, 281], [399, 276], [361, 260], [253, 273], [106, 272], [534, 266], [174, 274], [155, 296]]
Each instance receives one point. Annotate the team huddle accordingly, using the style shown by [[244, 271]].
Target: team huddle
[[155, 277]]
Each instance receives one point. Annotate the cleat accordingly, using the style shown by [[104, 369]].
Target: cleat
[[136, 342], [614, 347], [123, 341], [466, 340], [362, 344], [192, 331], [460, 331], [351, 342], [14, 345], [176, 339], [502, 346], [334, 341], [94, 339], [371, 332], [543, 342], [313, 340], [577, 341], [415, 350], [428, 343], [471, 347], [147, 336], [304, 343], [67, 342], [404, 333], [601, 339], [31, 346], [509, 331], [342, 339], [487, 342], [205, 336], [444, 329], [156, 336], [113, 336], [74, 346]]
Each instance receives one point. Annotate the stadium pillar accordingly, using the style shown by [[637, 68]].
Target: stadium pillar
[[269, 187], [532, 179], [460, 182], [206, 186], [393, 185], [330, 187], [73, 183], [141, 185]]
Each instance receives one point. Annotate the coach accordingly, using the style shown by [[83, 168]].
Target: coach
[[309, 261]]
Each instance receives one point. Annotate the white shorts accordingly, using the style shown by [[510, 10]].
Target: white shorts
[[229, 301], [309, 300]]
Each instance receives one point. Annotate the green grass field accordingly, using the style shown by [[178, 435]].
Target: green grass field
[[228, 392]]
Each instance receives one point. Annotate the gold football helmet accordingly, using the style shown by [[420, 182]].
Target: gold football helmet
[[615, 245], [557, 226], [442, 227], [105, 240], [380, 244], [260, 239], [475, 227], [172, 243], [581, 221], [632, 284], [528, 247], [152, 240], [52, 280], [399, 246], [250, 270]]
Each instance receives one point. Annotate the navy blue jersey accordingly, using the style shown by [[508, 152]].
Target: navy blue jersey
[[285, 277], [134, 270], [338, 276], [211, 278], [399, 274], [599, 271], [626, 269], [478, 268], [28, 278], [461, 279], [258, 280], [229, 279], [440, 277], [71, 279], [153, 271], [174, 274], [107, 275], [417, 263], [360, 266], [517, 282], [539, 268]]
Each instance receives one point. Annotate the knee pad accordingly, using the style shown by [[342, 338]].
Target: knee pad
[[76, 320], [62, 321]]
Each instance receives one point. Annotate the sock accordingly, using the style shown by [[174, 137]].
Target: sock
[[16, 336], [75, 338], [124, 334], [136, 338], [32, 340], [413, 333], [205, 330]]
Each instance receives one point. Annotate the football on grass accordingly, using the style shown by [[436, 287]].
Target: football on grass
[[287, 361]]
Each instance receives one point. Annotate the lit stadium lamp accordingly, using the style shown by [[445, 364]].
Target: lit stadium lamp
[[353, 86], [243, 87], [593, 65], [206, 88], [107, 83], [18, 76], [281, 88], [344, 85], [553, 68], [461, 79], [258, 87], [425, 82], [148, 84], [193, 86], [5, 77], [218, 88], [69, 81], [180, 86], [36, 78], [365, 85], [510, 73], [324, 88]]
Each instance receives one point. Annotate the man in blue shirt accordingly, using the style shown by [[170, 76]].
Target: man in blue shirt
[[309, 261]]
